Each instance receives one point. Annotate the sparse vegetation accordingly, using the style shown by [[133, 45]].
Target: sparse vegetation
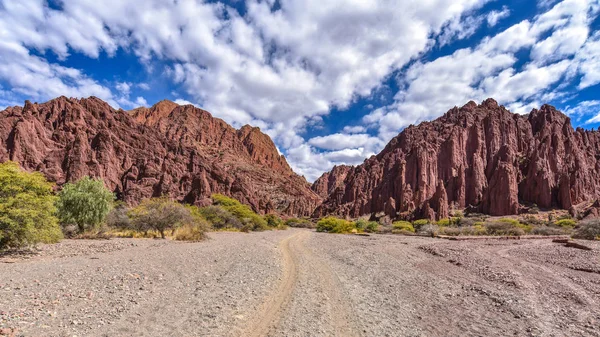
[[588, 230], [190, 232], [443, 222], [118, 218], [85, 204], [27, 209], [299, 223], [430, 230], [160, 214], [274, 221], [335, 225], [418, 224], [220, 218], [566, 223], [403, 226], [508, 227], [249, 219]]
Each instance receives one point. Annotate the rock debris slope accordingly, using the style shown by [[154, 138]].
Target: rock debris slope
[[481, 157], [179, 151]]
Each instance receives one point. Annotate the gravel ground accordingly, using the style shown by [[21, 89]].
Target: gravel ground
[[301, 283]]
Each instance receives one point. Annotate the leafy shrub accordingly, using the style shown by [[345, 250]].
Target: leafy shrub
[[588, 230], [403, 226], [249, 219], [501, 227], [458, 214], [545, 230], [220, 218], [84, 203], [430, 230], [118, 218], [27, 209], [299, 223], [417, 224], [532, 220], [372, 227], [566, 223], [466, 222], [273, 221], [451, 231], [335, 225], [443, 222], [160, 214], [474, 230], [366, 226]]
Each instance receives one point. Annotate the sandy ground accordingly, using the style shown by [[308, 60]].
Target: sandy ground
[[301, 283]]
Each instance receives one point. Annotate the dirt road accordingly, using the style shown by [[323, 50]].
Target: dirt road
[[301, 283]]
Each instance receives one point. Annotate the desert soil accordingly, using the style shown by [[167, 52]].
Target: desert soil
[[302, 283]]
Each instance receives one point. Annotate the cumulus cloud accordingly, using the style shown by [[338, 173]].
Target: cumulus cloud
[[560, 48], [494, 17]]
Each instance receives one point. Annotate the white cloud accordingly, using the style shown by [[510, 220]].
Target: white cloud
[[585, 108], [340, 141], [494, 17], [354, 129], [491, 69], [141, 101], [124, 88]]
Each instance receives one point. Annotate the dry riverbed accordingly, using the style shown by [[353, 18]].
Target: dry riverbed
[[301, 283]]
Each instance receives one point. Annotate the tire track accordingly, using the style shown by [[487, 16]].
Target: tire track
[[341, 310], [271, 312], [271, 309]]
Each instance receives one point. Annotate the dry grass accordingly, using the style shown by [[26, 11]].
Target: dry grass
[[189, 233]]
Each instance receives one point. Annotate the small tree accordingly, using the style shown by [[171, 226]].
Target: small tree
[[160, 214], [27, 211], [84, 203]]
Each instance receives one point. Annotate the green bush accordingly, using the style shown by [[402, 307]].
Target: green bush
[[403, 226], [273, 221], [372, 227], [504, 227], [443, 222], [249, 219], [219, 218], [545, 230], [363, 225], [566, 223], [417, 224], [85, 203], [27, 209], [588, 230], [532, 220], [335, 225], [299, 223], [160, 214]]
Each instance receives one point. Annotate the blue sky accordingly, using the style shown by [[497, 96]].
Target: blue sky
[[330, 81]]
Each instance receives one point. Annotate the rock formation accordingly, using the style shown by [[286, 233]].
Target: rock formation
[[331, 180], [480, 157], [179, 151]]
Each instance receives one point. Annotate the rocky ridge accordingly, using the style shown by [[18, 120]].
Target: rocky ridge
[[178, 151], [479, 157]]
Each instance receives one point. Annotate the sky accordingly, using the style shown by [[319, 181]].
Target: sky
[[331, 81]]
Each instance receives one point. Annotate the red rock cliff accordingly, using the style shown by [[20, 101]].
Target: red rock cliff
[[329, 181], [168, 149], [478, 156]]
